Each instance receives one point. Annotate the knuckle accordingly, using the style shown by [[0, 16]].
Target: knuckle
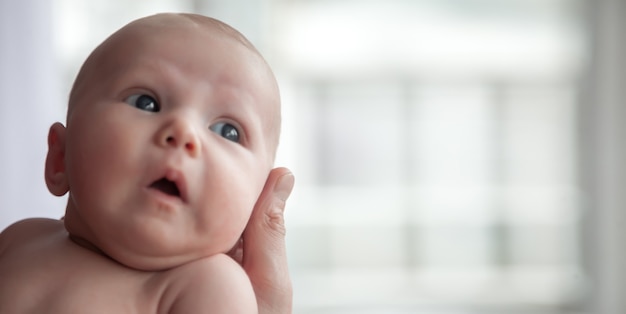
[[275, 218]]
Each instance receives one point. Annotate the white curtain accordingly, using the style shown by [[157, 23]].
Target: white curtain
[[30, 101]]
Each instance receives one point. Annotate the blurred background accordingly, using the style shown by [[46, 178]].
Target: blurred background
[[451, 156]]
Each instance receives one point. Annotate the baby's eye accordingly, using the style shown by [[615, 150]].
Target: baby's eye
[[226, 130], [143, 102]]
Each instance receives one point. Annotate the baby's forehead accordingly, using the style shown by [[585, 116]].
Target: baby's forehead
[[190, 32]]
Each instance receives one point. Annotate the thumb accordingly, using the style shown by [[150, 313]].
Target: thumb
[[265, 257]]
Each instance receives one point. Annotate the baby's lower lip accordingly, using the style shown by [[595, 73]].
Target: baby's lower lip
[[164, 197]]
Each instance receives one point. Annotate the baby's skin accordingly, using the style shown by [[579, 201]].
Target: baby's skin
[[44, 271]]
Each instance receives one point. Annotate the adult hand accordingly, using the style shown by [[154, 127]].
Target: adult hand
[[264, 257]]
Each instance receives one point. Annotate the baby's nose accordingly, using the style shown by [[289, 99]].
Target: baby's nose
[[180, 133]]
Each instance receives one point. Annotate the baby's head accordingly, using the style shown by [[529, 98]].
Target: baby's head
[[172, 129]]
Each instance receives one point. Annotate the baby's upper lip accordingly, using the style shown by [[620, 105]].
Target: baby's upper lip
[[176, 177]]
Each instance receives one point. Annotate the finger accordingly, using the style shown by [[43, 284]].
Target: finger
[[265, 258]]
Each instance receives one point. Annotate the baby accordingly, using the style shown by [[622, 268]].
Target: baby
[[172, 128]]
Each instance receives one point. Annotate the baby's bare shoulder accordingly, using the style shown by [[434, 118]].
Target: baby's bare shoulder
[[217, 283], [27, 230], [25, 256], [44, 271]]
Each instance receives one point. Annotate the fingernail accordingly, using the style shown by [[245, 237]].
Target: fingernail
[[283, 187]]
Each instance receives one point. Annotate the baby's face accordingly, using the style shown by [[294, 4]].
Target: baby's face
[[169, 143]]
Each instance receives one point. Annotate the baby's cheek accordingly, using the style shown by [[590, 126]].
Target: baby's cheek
[[231, 232]]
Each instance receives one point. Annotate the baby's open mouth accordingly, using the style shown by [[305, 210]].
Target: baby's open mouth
[[166, 186]]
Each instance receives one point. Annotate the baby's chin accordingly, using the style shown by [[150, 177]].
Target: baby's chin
[[156, 260]]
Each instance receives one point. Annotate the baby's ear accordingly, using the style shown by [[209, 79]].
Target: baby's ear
[[56, 178]]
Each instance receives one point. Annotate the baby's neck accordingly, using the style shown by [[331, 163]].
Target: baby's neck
[[86, 244]]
